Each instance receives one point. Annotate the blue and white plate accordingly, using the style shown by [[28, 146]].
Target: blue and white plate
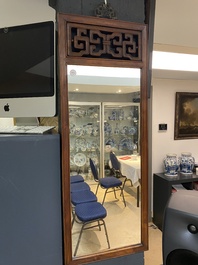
[[132, 130], [80, 159]]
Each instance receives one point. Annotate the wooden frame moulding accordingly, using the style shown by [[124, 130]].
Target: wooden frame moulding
[[78, 45]]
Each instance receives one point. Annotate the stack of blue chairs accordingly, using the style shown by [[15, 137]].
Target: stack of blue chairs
[[85, 208], [76, 179]]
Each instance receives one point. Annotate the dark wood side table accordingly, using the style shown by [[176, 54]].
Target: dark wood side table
[[162, 190]]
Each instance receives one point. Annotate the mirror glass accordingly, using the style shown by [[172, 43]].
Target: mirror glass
[[104, 117]]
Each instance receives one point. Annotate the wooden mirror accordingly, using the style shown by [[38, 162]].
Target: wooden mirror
[[103, 88]]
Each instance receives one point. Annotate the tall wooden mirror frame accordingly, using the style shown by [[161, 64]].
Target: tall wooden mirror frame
[[74, 50]]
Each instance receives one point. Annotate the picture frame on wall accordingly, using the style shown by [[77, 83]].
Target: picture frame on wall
[[186, 115]]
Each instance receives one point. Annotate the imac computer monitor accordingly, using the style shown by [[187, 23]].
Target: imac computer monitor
[[27, 75]]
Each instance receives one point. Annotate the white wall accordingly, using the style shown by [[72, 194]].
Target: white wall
[[176, 22], [163, 111], [19, 12]]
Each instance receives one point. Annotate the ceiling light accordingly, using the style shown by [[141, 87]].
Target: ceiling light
[[119, 91], [80, 70], [175, 61]]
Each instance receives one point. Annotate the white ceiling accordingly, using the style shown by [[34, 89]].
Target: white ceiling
[[175, 30]]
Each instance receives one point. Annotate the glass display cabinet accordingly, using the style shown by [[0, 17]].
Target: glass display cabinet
[[121, 129], [85, 137], [98, 128]]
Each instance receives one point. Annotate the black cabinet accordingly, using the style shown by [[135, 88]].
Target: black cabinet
[[162, 190]]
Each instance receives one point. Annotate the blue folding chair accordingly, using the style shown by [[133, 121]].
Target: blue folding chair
[[110, 184], [79, 186], [116, 170], [115, 165], [76, 179], [89, 213], [80, 197]]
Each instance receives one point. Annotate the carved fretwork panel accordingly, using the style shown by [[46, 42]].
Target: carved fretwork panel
[[104, 42]]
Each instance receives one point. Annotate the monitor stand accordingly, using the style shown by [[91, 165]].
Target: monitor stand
[[26, 121]]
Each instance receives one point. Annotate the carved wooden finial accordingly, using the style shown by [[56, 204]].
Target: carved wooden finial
[[105, 10]]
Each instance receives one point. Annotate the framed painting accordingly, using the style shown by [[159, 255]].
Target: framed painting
[[186, 116]]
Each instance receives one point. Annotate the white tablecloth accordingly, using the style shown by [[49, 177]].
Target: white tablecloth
[[130, 167]]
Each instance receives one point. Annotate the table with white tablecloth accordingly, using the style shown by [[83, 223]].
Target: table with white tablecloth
[[130, 167]]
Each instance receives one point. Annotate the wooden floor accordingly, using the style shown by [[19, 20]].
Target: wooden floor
[[125, 218], [123, 223], [154, 255]]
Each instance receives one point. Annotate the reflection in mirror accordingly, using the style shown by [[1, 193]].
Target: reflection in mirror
[[104, 117]]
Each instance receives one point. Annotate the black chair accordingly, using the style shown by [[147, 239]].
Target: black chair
[[107, 183], [116, 170], [87, 214]]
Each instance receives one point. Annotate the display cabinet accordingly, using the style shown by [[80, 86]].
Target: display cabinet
[[121, 129], [96, 129], [85, 137]]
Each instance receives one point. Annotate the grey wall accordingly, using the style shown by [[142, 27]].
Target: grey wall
[[91, 97], [125, 10], [135, 259], [30, 200]]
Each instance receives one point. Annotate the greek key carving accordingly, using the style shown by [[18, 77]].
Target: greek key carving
[[90, 42]]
